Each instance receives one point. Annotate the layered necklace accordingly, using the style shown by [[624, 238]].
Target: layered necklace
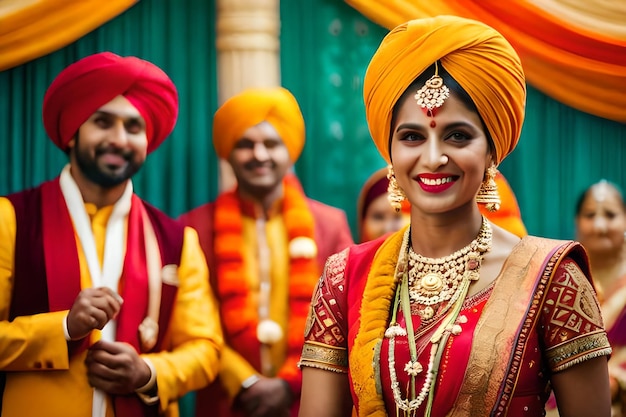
[[435, 288], [435, 283]]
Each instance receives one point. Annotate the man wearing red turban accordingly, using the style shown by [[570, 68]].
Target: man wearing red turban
[[73, 97], [265, 244], [106, 309]]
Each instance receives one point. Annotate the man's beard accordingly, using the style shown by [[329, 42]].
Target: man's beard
[[106, 179]]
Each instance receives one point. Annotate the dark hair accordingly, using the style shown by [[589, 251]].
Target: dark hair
[[454, 87], [583, 196]]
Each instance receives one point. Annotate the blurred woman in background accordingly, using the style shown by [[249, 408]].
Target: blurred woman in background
[[375, 216], [601, 227]]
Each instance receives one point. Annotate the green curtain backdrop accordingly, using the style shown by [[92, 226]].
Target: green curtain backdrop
[[325, 48], [561, 151], [179, 37]]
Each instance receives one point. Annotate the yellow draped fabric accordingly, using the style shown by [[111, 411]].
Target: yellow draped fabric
[[572, 50], [33, 28]]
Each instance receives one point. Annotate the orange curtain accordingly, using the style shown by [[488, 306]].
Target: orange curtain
[[33, 28], [572, 50]]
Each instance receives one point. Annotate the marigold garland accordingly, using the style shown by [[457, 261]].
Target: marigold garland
[[237, 304]]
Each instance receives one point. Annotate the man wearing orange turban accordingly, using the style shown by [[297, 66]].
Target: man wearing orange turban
[[277, 106], [265, 244], [106, 310], [452, 315]]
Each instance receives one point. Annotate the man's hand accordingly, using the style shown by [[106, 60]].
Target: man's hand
[[92, 309], [269, 397], [116, 368]]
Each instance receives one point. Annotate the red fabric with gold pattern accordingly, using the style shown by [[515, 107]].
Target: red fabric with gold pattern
[[570, 316]]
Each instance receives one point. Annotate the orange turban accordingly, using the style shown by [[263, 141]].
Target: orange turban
[[483, 63], [86, 85], [249, 108]]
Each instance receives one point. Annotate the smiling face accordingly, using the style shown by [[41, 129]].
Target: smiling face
[[439, 165], [260, 160], [111, 145], [601, 220]]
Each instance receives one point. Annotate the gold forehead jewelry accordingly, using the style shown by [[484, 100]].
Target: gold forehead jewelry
[[432, 94]]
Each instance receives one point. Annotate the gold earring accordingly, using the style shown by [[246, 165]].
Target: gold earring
[[395, 195], [488, 192]]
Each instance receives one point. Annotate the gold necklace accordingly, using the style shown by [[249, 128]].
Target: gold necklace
[[450, 325], [434, 283]]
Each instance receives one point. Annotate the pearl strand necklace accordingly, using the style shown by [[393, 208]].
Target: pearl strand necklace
[[405, 404], [450, 325]]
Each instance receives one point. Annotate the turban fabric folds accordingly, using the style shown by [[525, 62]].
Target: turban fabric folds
[[483, 63], [86, 85], [275, 105]]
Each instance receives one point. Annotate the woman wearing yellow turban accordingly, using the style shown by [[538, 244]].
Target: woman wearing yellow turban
[[452, 315]]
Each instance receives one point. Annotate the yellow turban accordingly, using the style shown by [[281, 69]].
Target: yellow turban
[[483, 63], [249, 108]]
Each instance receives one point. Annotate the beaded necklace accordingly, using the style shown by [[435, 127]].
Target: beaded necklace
[[450, 322], [434, 283]]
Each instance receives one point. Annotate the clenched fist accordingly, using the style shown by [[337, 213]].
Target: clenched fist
[[92, 309]]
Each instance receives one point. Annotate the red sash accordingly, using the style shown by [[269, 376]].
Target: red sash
[[63, 271], [47, 271]]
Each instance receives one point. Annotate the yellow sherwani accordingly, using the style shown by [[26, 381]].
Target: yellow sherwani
[[41, 377]]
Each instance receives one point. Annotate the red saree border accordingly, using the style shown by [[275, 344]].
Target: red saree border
[[503, 330]]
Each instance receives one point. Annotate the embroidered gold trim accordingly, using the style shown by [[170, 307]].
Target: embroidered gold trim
[[575, 351], [375, 311], [329, 358]]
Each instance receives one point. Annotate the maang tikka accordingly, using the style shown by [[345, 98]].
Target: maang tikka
[[395, 195], [432, 95], [488, 192]]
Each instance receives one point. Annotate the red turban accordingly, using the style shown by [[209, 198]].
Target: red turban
[[483, 63], [275, 105], [86, 85]]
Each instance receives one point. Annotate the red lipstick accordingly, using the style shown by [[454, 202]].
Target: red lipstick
[[436, 183]]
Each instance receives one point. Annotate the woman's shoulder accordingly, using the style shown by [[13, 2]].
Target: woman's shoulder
[[338, 262], [507, 243], [560, 249]]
